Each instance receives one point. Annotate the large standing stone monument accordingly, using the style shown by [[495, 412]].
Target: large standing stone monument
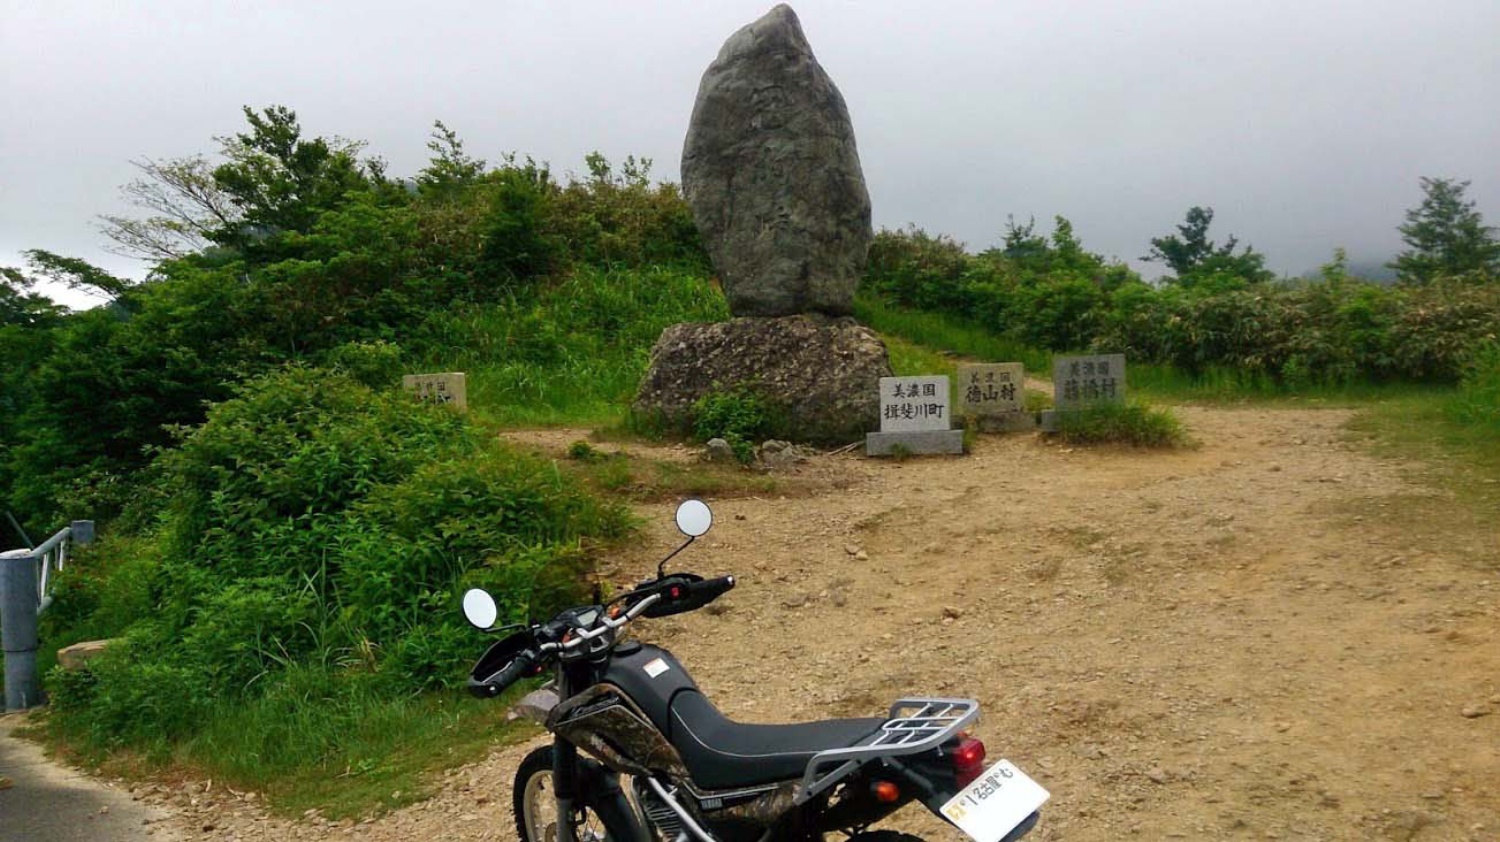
[[771, 172], [773, 177]]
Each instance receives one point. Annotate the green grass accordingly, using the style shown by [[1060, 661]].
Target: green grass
[[1216, 385], [1454, 432], [575, 354], [940, 332], [316, 743], [1132, 424]]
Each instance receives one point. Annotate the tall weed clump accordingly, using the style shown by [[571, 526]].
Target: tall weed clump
[[1477, 403], [1132, 424], [317, 523]]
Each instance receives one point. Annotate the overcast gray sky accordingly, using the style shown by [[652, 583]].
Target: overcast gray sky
[[1305, 125]]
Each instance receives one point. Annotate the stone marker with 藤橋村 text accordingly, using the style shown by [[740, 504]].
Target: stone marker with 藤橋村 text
[[447, 388], [915, 418], [993, 397], [1082, 382]]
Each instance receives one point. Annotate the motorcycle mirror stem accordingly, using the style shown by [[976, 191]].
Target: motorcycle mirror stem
[[694, 518]]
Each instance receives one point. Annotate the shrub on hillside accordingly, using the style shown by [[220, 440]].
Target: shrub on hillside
[[317, 520], [1053, 295], [739, 416], [1478, 399]]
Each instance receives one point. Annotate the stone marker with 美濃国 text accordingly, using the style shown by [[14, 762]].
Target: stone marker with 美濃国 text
[[1082, 382], [915, 418], [992, 396], [449, 388]]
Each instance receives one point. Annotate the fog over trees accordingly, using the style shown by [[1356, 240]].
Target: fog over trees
[[1305, 126]]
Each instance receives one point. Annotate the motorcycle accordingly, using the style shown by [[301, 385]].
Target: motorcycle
[[639, 753]]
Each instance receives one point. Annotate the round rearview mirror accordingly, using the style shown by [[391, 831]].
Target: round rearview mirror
[[694, 518], [480, 609]]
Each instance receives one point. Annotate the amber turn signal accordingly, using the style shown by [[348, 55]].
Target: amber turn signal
[[886, 792]]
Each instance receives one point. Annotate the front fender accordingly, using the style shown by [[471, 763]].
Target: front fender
[[537, 704]]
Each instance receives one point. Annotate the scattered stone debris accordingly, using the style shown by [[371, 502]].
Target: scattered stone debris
[[718, 450]]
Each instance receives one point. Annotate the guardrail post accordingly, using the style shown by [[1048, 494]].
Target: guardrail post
[[82, 531], [18, 620]]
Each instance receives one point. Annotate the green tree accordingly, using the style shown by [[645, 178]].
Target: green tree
[[187, 211], [1445, 235], [1194, 258], [451, 169], [21, 307], [281, 181], [73, 272]]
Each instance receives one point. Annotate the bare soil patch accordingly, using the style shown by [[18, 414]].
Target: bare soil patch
[[1274, 635]]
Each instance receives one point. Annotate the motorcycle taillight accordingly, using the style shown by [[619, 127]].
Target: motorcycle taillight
[[968, 760]]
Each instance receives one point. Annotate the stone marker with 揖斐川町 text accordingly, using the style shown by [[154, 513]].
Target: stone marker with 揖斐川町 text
[[915, 418]]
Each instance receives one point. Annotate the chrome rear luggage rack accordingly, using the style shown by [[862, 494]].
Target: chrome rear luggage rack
[[913, 726]]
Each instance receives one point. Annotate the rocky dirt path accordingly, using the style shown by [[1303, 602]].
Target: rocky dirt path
[[1273, 636]]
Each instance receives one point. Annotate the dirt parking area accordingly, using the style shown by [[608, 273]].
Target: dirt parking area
[[1275, 635]]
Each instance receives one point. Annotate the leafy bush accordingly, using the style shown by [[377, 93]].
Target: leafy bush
[[1478, 399], [315, 520], [1053, 295], [303, 251], [1133, 424], [738, 416]]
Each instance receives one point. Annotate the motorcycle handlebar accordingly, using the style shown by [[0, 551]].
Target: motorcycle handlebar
[[709, 590], [680, 594], [675, 595], [519, 667]]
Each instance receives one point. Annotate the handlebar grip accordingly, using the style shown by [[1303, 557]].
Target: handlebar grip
[[709, 590], [519, 667]]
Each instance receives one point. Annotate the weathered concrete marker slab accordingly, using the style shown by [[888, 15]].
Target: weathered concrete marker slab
[[993, 397], [449, 388], [1082, 382], [915, 418]]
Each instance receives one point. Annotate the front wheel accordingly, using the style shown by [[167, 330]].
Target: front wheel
[[534, 802]]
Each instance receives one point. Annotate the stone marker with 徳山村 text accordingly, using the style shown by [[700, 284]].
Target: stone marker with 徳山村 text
[[992, 397]]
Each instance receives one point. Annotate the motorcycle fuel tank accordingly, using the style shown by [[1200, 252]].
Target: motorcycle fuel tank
[[650, 677]]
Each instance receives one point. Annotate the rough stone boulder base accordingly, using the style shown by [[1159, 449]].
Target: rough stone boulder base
[[773, 176], [822, 375]]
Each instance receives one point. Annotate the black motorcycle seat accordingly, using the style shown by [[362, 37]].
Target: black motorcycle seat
[[722, 754]]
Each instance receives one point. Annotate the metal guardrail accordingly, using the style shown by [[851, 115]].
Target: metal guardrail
[[26, 581]]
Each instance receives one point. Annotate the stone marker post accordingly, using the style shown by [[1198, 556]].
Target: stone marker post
[[914, 417], [1083, 382], [449, 388], [993, 396]]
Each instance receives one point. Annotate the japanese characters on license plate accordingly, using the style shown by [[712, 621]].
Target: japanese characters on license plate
[[998, 800]]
